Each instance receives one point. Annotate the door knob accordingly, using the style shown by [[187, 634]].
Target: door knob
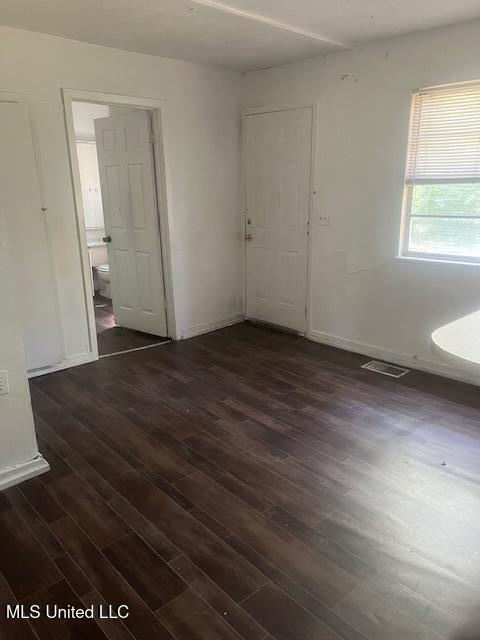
[[248, 237], [107, 239]]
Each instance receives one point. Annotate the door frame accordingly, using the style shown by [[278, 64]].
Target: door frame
[[156, 107], [272, 108]]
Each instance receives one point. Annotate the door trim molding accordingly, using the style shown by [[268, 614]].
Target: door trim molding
[[271, 108], [157, 108], [396, 357], [73, 361], [23, 471], [207, 327]]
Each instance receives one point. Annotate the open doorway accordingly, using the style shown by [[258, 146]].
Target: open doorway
[[120, 227]]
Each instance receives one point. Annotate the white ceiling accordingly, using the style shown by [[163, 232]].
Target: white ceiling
[[235, 34]]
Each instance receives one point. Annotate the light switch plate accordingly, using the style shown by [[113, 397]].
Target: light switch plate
[[325, 221], [4, 388]]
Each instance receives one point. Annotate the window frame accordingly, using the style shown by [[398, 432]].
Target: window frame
[[408, 187]]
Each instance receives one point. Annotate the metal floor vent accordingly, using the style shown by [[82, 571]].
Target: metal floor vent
[[386, 369]]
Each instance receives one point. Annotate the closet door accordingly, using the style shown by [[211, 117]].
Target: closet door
[[21, 207]]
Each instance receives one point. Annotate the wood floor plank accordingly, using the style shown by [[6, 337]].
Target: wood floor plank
[[233, 434], [42, 500], [284, 618], [212, 555], [23, 561], [84, 443], [243, 491], [232, 613], [61, 595], [58, 467], [188, 616], [33, 520], [12, 629], [90, 476], [141, 622], [422, 576], [144, 570], [114, 629], [211, 523], [5, 503], [379, 580], [443, 623], [159, 458], [274, 487], [73, 574], [430, 516], [250, 484], [321, 577], [144, 528], [296, 591], [188, 454], [88, 510], [378, 619]]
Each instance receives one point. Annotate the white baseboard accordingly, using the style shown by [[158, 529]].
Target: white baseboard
[[66, 364], [21, 472], [396, 358], [206, 327]]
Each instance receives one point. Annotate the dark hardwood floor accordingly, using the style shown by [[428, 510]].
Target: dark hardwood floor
[[249, 484], [112, 339]]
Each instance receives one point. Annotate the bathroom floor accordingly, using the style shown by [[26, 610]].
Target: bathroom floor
[[113, 339]]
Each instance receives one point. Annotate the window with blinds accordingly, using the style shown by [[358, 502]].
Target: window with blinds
[[442, 199]]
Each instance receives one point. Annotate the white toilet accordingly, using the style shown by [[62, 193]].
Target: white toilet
[[103, 275]]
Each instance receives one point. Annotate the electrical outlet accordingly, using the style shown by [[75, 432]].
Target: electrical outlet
[[4, 389]]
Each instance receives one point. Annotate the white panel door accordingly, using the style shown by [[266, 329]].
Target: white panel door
[[127, 178], [21, 206], [277, 183]]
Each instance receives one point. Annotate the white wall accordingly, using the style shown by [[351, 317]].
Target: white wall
[[17, 435], [360, 293], [84, 115], [202, 139]]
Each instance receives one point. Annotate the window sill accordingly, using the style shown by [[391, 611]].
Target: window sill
[[442, 261]]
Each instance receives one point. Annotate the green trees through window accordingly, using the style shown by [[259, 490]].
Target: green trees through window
[[446, 199], [445, 219]]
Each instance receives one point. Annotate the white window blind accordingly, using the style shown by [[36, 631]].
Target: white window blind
[[441, 217], [445, 135]]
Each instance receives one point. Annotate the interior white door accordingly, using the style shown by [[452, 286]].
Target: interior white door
[[277, 183], [127, 178], [21, 205]]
